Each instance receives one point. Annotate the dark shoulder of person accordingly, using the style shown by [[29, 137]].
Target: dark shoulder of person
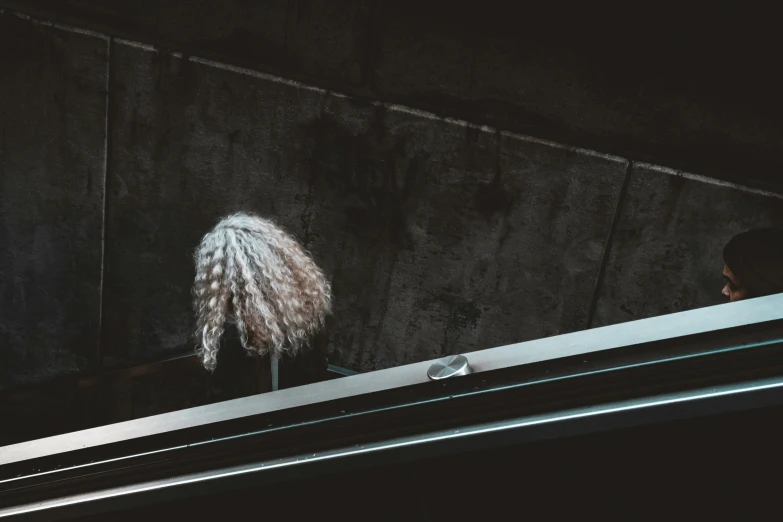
[[240, 373]]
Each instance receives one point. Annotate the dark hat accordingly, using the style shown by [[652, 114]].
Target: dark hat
[[756, 258]]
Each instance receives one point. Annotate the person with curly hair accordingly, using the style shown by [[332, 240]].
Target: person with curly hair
[[253, 274]]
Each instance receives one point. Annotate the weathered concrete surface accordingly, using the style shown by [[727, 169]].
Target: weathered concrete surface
[[331, 44], [667, 253], [303, 38], [694, 99], [257, 28], [676, 90], [418, 61], [438, 237], [52, 154]]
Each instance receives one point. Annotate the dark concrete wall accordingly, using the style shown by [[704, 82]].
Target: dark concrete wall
[[440, 236], [52, 171], [427, 228], [692, 88]]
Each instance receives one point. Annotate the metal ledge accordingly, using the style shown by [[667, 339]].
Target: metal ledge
[[681, 325], [579, 421], [710, 361]]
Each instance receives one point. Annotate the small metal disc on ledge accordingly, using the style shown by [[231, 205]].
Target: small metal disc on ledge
[[450, 366]]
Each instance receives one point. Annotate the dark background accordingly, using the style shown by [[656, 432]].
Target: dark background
[[467, 175]]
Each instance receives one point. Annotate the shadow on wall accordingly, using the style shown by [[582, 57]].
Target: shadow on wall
[[439, 236]]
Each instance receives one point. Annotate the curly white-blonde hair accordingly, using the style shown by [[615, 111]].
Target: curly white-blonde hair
[[251, 272]]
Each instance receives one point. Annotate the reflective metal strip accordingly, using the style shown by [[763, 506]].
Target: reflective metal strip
[[703, 320], [713, 400]]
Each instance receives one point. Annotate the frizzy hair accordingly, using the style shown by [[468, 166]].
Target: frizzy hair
[[251, 272]]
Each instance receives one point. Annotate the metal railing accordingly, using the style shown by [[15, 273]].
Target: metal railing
[[700, 362]]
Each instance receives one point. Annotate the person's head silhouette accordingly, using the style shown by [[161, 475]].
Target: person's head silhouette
[[753, 264]]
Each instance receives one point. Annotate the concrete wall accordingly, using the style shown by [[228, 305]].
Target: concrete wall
[[52, 170], [692, 88], [440, 236]]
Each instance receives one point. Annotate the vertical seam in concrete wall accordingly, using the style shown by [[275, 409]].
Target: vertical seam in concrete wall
[[106, 173], [608, 245]]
